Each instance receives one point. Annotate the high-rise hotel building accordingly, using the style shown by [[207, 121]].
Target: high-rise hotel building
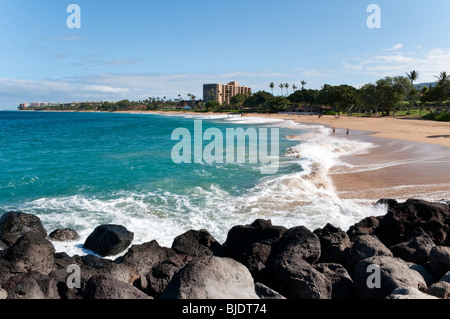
[[223, 93]]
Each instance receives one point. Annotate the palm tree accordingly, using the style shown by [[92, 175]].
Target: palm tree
[[212, 95], [294, 87], [272, 85], [412, 76], [193, 97], [443, 78], [227, 96], [303, 84], [286, 85], [281, 87], [442, 82]]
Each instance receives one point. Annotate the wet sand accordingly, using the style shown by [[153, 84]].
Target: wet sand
[[394, 169]]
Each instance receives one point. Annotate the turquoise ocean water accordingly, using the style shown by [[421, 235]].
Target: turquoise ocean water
[[80, 170]]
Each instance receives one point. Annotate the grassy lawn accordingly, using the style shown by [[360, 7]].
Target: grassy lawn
[[414, 113]]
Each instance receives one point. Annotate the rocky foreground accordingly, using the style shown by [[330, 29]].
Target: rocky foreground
[[402, 255]]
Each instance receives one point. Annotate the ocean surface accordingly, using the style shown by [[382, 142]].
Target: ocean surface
[[81, 170]]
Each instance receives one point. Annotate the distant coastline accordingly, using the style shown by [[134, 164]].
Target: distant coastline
[[401, 128]]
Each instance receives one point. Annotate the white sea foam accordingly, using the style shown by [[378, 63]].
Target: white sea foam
[[289, 201], [205, 116], [252, 120]]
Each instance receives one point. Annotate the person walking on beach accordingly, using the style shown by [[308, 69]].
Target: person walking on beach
[[348, 132], [334, 130]]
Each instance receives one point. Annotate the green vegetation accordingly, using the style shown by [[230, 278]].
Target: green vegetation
[[388, 96], [441, 117]]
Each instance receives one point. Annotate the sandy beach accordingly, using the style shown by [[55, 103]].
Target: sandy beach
[[411, 158], [400, 128]]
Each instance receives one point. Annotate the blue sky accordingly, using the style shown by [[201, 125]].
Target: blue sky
[[141, 48]]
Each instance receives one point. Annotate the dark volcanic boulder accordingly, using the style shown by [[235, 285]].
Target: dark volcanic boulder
[[301, 241], [416, 248], [31, 252], [107, 287], [440, 289], [425, 272], [141, 261], [366, 226], [257, 258], [342, 283], [334, 244], [241, 239], [161, 274], [64, 235], [92, 265], [402, 219], [14, 225], [446, 277], [6, 270], [211, 278], [265, 292], [440, 260], [409, 293], [89, 266], [109, 240], [294, 278], [32, 285], [197, 244], [385, 274], [364, 247]]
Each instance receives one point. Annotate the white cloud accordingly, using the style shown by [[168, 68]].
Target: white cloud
[[428, 63], [398, 59], [68, 38], [133, 86], [313, 73], [15, 91], [353, 67], [123, 62], [396, 47]]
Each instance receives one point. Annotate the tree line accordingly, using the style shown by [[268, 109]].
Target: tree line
[[383, 97]]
